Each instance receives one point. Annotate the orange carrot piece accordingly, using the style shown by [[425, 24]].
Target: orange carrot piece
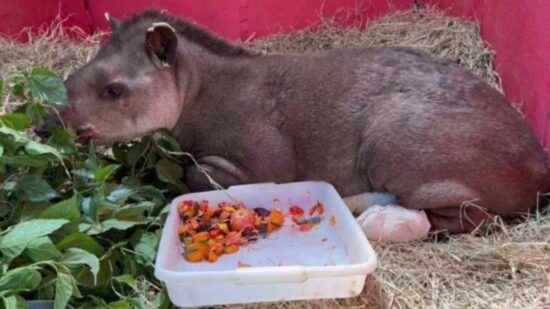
[[230, 249]]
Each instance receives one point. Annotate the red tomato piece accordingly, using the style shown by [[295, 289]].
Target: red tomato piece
[[296, 210]]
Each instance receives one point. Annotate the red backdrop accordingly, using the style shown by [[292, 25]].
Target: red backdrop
[[519, 31]]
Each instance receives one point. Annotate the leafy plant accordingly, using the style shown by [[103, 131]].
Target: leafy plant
[[78, 226]]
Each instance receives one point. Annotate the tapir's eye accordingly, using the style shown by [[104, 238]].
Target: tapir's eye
[[113, 91]]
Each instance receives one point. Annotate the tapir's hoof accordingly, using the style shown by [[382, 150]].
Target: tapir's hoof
[[393, 223]]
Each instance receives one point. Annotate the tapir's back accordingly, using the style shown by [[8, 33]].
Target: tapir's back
[[403, 118]]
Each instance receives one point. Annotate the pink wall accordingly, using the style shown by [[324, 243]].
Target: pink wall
[[17, 15], [234, 19], [240, 19], [519, 31]]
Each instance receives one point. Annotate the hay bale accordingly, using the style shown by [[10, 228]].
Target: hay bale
[[506, 269], [429, 30], [53, 47]]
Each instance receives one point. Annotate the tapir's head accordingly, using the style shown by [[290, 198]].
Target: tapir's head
[[129, 88]]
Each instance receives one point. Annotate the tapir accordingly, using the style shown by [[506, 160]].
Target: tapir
[[392, 121]]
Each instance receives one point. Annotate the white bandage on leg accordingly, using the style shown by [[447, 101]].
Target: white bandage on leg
[[361, 202], [394, 223]]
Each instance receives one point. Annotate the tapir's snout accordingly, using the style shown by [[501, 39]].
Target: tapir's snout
[[42, 132]]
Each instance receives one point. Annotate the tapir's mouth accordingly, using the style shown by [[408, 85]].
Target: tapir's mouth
[[86, 133]]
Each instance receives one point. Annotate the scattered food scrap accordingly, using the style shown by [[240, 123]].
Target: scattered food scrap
[[332, 220], [206, 232], [242, 265]]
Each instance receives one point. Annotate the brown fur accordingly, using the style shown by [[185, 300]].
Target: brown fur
[[373, 119]]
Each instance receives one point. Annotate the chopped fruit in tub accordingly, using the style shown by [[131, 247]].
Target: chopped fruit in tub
[[193, 256], [296, 210], [241, 219], [306, 224], [276, 218], [207, 232], [201, 236], [318, 208], [212, 257], [231, 249]]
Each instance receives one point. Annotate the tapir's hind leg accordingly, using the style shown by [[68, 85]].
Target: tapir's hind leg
[[455, 220], [442, 206], [450, 206]]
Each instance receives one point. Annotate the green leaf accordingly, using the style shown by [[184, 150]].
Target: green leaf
[[126, 279], [103, 174], [145, 244], [170, 172], [15, 135], [35, 148], [34, 189], [82, 241], [30, 211], [75, 256], [134, 212], [120, 194], [89, 207], [109, 224], [36, 113], [27, 160], [66, 209], [118, 224], [105, 273], [90, 228], [14, 302], [138, 150], [166, 141], [119, 152], [16, 83], [17, 121], [17, 239], [42, 249], [46, 86], [63, 290], [162, 301], [149, 193], [63, 140], [20, 279], [122, 304], [113, 224]]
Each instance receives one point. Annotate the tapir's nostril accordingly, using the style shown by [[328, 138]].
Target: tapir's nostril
[[42, 132]]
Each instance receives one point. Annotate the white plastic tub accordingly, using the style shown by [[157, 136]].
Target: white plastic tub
[[330, 261]]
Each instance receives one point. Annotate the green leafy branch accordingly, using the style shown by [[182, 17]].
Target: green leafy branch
[[78, 226]]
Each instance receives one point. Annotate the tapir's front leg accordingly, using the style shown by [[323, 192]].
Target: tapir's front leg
[[221, 170]]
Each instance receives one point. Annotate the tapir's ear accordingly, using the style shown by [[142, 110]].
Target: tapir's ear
[[161, 43], [114, 22]]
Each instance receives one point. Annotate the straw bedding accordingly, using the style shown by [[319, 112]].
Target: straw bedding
[[509, 268]]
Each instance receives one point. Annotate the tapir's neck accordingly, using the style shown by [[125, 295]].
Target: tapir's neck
[[188, 81], [197, 71]]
